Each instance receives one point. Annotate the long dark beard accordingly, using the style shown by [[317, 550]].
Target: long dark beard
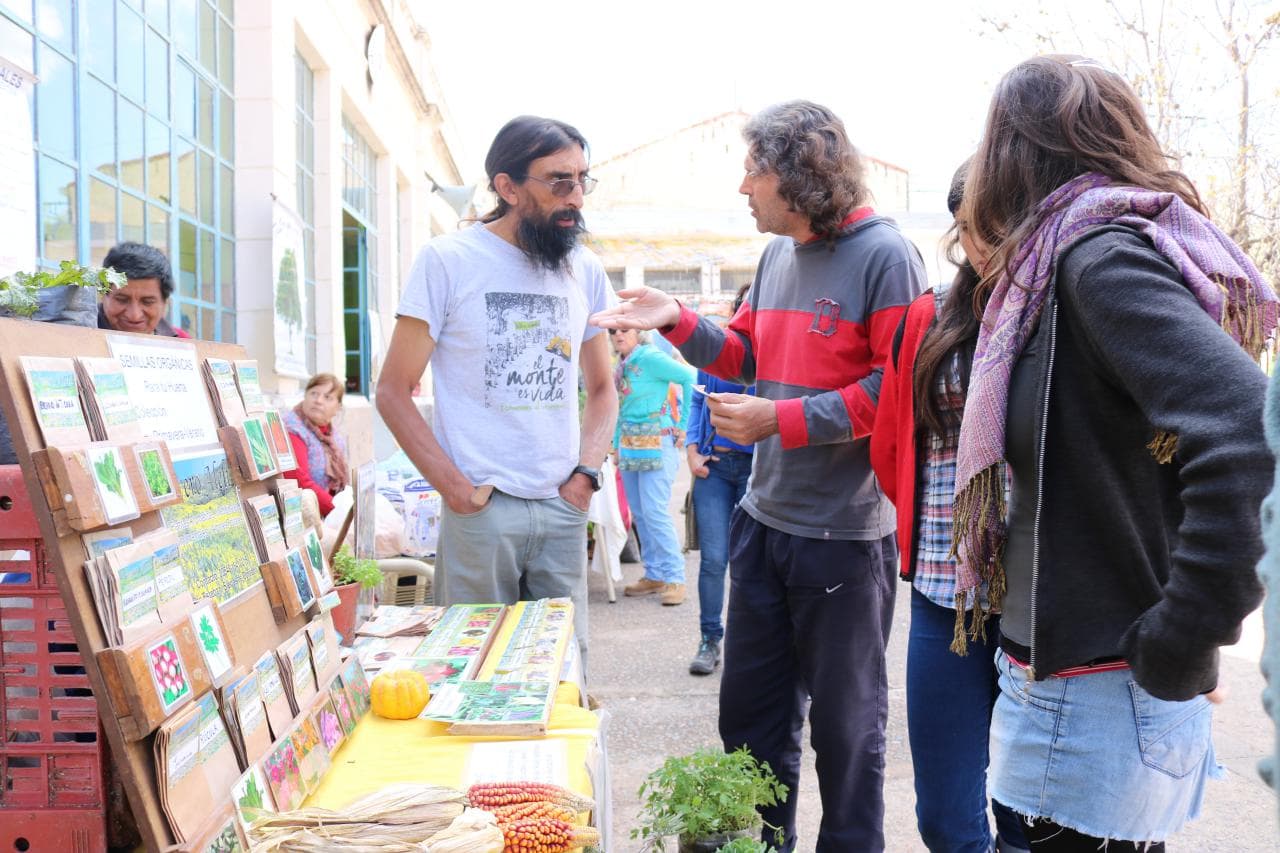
[[547, 244]]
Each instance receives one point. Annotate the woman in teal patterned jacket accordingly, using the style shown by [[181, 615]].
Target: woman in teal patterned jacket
[[650, 433]]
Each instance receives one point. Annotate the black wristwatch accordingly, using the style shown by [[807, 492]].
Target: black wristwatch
[[592, 474]]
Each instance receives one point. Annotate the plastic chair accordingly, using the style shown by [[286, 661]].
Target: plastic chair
[[394, 568]]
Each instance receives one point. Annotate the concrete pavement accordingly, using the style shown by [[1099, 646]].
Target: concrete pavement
[[640, 654]]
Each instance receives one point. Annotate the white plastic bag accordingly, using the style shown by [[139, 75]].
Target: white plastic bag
[[388, 536]]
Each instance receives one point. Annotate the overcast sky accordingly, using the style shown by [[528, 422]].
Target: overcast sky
[[911, 79]]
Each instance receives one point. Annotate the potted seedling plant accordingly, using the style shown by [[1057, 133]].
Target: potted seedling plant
[[350, 575], [708, 798]]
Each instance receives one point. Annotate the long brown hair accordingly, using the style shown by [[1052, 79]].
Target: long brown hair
[[1053, 118], [954, 331], [820, 173]]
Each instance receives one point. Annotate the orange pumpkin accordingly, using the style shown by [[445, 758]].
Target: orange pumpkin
[[399, 695]]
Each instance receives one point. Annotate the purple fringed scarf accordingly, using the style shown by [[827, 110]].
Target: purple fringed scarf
[[1222, 278]]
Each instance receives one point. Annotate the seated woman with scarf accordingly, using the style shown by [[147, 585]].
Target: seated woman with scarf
[[321, 453]]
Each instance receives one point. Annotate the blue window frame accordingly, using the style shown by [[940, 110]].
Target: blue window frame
[[134, 139]]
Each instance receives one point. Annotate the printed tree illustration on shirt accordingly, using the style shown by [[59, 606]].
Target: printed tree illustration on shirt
[[288, 301]]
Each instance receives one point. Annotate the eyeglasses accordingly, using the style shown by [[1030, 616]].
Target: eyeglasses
[[563, 187]]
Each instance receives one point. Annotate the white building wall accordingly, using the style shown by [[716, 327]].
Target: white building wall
[[408, 140]]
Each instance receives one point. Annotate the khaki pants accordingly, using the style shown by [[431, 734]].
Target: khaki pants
[[512, 550]]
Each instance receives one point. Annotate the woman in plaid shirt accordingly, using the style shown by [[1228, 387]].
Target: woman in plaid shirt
[[913, 451]]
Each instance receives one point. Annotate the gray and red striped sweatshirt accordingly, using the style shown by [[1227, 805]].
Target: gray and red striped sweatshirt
[[814, 337]]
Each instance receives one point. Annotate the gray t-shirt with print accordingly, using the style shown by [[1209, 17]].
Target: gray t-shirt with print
[[505, 367]]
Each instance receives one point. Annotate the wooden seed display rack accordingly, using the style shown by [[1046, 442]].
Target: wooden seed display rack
[[250, 626]]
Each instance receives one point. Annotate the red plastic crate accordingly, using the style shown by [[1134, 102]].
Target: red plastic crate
[[51, 744]]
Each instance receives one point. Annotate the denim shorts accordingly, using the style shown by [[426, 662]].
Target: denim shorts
[[1098, 754]]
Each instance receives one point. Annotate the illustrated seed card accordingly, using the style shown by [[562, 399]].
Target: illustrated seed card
[[213, 645], [280, 440], [111, 483], [168, 673], [251, 795], [264, 461]]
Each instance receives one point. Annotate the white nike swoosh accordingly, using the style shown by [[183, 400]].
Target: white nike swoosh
[[831, 589]]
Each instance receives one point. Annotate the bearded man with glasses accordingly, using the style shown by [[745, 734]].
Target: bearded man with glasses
[[811, 546], [499, 311]]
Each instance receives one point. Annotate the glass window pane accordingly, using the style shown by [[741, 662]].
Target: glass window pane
[[227, 120], [204, 118], [158, 160], [186, 154], [158, 227], [157, 74], [205, 163], [208, 282], [184, 25], [57, 211], [208, 37], [208, 325], [102, 219], [227, 7], [129, 135], [186, 258], [227, 274], [55, 104], [53, 20], [20, 9], [226, 62], [187, 318], [133, 224], [130, 34], [16, 43], [228, 327], [99, 53], [98, 111], [226, 196], [184, 100], [158, 14]]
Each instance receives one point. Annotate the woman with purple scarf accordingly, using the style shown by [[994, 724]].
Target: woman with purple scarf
[[1114, 377]]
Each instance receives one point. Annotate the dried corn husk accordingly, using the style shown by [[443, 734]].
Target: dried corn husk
[[473, 831], [396, 819]]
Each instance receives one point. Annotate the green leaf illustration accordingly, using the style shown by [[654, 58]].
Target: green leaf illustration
[[157, 477], [262, 457], [252, 796], [208, 636], [109, 474]]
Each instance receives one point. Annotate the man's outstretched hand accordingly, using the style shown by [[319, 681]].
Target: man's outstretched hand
[[640, 308]]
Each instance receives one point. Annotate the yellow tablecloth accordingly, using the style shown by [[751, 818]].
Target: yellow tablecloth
[[382, 752]]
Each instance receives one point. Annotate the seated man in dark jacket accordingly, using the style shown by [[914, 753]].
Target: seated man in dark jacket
[[141, 305]]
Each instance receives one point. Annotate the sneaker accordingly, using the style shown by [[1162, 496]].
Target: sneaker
[[707, 658], [644, 586], [673, 594]]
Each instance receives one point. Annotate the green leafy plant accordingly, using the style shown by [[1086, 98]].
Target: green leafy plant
[[20, 292], [109, 474], [252, 797], [705, 793], [746, 845], [263, 459], [348, 569], [157, 477], [208, 636]]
